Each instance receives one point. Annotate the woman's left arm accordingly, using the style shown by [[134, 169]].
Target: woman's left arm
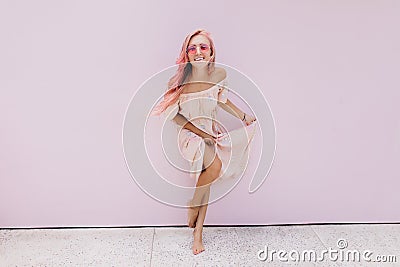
[[235, 111]]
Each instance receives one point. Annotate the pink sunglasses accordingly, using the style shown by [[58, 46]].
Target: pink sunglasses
[[193, 48]]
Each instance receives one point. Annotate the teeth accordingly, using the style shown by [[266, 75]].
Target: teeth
[[198, 59]]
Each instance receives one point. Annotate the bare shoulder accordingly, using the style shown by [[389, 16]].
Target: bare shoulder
[[219, 74]]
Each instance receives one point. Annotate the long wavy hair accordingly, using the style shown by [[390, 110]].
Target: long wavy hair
[[175, 84]]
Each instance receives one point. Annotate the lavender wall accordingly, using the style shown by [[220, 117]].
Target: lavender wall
[[329, 71]]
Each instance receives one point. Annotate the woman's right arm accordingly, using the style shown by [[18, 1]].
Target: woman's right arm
[[182, 121]]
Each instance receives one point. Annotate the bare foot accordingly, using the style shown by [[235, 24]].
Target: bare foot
[[193, 213], [197, 241]]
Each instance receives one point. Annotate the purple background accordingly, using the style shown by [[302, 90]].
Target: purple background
[[328, 69]]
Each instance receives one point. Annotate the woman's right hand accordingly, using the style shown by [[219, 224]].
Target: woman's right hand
[[209, 139]]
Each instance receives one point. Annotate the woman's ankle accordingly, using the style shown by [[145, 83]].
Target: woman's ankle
[[198, 230]]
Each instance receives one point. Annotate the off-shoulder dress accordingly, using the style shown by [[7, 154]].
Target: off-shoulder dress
[[201, 109]]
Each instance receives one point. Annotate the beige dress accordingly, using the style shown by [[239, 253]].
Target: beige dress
[[201, 108]]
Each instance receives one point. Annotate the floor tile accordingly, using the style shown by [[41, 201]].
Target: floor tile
[[383, 239], [293, 240], [76, 247], [220, 247], [171, 246]]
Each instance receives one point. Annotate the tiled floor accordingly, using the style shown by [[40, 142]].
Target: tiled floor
[[225, 246]]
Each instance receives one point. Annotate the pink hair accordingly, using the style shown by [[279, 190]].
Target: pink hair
[[184, 71]]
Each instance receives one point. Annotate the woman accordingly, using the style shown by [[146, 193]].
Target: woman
[[194, 92]]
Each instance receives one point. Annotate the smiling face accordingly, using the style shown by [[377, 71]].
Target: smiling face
[[199, 50]]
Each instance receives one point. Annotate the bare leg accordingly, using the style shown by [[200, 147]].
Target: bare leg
[[198, 231], [199, 203], [207, 176], [202, 188], [196, 202]]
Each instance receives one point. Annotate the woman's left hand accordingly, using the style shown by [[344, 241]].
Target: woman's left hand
[[249, 119]]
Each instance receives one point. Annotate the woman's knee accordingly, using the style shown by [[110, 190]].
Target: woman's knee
[[215, 168]]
